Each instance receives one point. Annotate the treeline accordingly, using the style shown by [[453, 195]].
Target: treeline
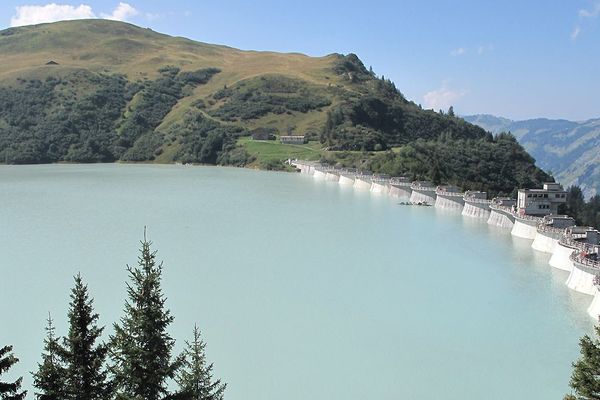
[[85, 117], [137, 362], [495, 164], [585, 213]]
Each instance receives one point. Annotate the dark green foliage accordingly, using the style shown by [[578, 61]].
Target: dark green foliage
[[396, 121], [85, 375], [47, 122], [352, 68], [195, 377], [9, 390], [585, 213], [497, 165], [49, 379], [585, 379], [79, 118], [267, 94], [141, 345], [206, 141]]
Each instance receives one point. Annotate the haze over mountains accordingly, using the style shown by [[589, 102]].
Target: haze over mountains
[[568, 149]]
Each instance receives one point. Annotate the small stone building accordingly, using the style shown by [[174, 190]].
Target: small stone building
[[293, 139]]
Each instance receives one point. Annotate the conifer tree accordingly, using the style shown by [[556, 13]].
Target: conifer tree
[[9, 390], [585, 379], [195, 378], [141, 346], [49, 378], [86, 377]]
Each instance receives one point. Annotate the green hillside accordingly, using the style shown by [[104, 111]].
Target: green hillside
[[105, 91]]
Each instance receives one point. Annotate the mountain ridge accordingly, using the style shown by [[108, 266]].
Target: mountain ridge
[[104, 91], [570, 149]]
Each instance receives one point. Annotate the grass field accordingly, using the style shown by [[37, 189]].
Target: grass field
[[272, 151]]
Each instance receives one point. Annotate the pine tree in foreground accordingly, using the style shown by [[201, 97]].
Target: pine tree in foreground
[[141, 347], [195, 378], [9, 390], [585, 379], [86, 377], [49, 378]]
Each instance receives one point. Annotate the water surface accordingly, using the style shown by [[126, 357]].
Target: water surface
[[302, 289]]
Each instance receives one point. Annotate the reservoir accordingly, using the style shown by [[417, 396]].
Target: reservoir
[[302, 288]]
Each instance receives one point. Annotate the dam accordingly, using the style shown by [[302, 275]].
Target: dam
[[533, 205], [363, 181], [423, 192], [576, 238], [501, 212], [379, 184], [347, 177], [549, 232], [449, 198], [399, 187], [476, 205]]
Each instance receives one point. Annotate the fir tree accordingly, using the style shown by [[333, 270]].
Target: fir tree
[[49, 378], [195, 378], [585, 379], [9, 390], [84, 358], [141, 347]]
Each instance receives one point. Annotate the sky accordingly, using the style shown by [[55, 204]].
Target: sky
[[513, 58]]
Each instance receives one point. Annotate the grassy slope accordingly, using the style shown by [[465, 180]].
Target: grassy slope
[[115, 47]]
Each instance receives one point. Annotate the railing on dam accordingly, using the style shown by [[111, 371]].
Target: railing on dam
[[549, 228], [497, 207], [582, 258], [470, 199], [527, 217], [420, 188], [573, 243], [441, 192], [382, 179], [400, 181]]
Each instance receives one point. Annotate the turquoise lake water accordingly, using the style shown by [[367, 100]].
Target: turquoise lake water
[[302, 288]]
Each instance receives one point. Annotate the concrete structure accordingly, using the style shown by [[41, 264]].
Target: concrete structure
[[540, 202], [292, 139], [347, 177], [319, 172], [586, 268], [476, 205], [501, 212], [362, 181], [422, 192], [576, 238], [379, 184], [331, 174], [549, 232], [449, 198], [399, 186]]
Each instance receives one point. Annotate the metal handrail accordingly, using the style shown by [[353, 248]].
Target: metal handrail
[[470, 199], [581, 259], [449, 194], [423, 188]]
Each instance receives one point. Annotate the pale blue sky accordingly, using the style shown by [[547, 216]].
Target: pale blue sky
[[519, 59]]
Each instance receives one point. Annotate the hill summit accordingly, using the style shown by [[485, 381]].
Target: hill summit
[[105, 91]]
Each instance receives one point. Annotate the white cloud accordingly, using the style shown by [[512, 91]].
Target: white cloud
[[575, 32], [29, 15], [458, 52], [485, 49], [442, 98], [52, 12], [592, 13], [122, 12]]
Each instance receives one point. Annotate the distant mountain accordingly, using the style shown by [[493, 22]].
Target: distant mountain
[[570, 150]]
